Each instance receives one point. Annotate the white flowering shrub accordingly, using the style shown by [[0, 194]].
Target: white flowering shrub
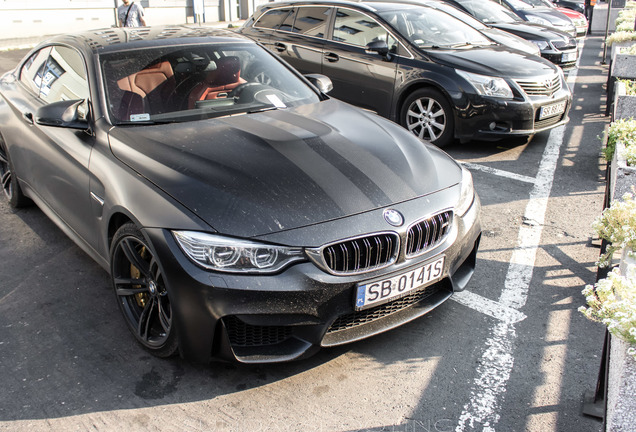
[[623, 130], [617, 225], [612, 301]]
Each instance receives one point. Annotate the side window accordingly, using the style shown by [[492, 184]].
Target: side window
[[33, 70], [312, 21], [288, 23], [64, 77], [357, 29], [273, 18]]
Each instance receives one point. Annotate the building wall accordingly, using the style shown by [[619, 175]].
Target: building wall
[[21, 19]]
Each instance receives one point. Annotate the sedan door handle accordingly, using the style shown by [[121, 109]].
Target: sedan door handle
[[280, 47], [28, 117], [332, 57]]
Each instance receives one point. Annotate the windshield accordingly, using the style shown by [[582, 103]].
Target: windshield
[[490, 12], [431, 28], [190, 82], [460, 15]]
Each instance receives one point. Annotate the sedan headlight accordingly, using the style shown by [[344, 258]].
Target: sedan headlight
[[543, 45], [486, 85], [467, 195], [539, 20], [226, 254]]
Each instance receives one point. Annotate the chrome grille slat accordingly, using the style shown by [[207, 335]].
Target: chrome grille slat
[[545, 87], [361, 254], [428, 233]]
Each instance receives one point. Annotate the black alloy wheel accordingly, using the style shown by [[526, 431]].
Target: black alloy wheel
[[141, 293], [427, 114], [10, 186]]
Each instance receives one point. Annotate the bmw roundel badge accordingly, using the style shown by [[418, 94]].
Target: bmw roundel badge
[[393, 217]]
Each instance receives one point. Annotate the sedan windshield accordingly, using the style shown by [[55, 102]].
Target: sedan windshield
[[490, 12], [431, 28], [189, 82]]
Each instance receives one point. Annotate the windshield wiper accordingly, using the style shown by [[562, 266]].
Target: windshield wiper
[[263, 109]]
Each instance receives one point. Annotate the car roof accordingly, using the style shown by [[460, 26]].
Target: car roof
[[370, 5], [125, 38]]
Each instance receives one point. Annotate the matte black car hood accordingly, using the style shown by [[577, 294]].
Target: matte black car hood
[[261, 173], [532, 31], [493, 60]]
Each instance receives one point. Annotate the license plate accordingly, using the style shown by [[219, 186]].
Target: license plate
[[377, 292], [568, 57], [551, 110]]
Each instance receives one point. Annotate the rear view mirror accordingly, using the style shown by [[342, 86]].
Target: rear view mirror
[[321, 82], [62, 114], [379, 47]]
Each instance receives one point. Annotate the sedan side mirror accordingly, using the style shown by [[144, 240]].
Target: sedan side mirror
[[62, 114], [321, 82], [379, 47]]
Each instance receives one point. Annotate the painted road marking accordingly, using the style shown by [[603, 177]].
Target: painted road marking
[[498, 172], [497, 361], [488, 307]]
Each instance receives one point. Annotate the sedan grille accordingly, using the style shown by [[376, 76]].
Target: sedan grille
[[545, 87], [361, 254], [428, 233]]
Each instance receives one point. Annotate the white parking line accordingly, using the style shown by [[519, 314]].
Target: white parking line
[[488, 307], [498, 172], [497, 361]]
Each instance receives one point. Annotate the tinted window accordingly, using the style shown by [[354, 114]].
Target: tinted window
[[272, 19], [288, 23], [64, 76], [312, 21], [33, 70], [356, 28]]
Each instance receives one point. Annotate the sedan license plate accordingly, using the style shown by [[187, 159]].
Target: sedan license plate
[[551, 110], [377, 292], [568, 57]]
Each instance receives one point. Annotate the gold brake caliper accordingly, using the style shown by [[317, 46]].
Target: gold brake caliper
[[142, 297]]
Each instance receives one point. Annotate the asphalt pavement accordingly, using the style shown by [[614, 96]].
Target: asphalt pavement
[[510, 354]]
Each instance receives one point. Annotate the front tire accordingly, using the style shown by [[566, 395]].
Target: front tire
[[141, 292], [427, 114], [9, 181]]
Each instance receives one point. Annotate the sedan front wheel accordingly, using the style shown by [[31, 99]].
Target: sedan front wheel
[[427, 114], [141, 292]]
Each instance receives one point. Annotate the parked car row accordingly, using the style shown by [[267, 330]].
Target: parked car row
[[416, 64], [241, 211]]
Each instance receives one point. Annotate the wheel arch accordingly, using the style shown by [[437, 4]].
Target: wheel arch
[[406, 92]]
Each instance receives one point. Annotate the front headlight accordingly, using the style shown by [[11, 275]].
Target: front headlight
[[226, 254], [542, 45], [467, 195], [539, 20], [486, 85]]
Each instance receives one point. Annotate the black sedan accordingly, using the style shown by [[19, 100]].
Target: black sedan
[[536, 11], [558, 47], [240, 212], [418, 66]]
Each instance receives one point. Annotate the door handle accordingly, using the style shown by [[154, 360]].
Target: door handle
[[280, 47], [332, 57], [28, 117]]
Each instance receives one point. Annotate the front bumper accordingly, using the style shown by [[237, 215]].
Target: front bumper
[[290, 315], [492, 118]]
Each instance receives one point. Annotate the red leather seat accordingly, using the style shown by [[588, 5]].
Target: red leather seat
[[219, 82], [147, 91]]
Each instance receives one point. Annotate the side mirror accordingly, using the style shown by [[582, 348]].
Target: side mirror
[[321, 82], [62, 114], [379, 47]]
